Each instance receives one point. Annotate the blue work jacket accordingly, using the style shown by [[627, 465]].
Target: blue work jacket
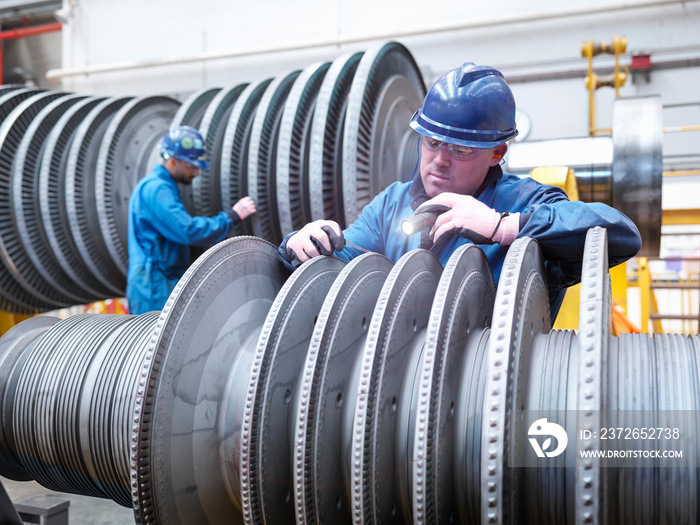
[[160, 234], [547, 215]]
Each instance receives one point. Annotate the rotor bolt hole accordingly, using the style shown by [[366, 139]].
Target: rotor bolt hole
[[393, 511], [287, 497], [394, 401], [415, 325], [339, 400], [338, 503], [532, 329], [287, 396], [452, 409], [315, 319], [364, 323]]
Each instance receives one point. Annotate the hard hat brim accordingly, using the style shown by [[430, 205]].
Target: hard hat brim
[[460, 137]]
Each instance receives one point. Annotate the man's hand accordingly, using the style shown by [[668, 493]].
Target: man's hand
[[245, 207], [316, 238], [472, 220]]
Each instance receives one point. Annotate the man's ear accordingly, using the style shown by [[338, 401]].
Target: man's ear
[[497, 153]]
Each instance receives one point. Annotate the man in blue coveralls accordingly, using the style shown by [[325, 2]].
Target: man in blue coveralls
[[466, 119], [160, 228]]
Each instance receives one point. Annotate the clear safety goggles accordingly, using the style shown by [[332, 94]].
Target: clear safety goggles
[[455, 151]]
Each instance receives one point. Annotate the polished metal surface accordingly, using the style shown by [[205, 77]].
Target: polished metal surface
[[127, 153], [382, 434], [53, 207], [273, 388], [35, 266], [637, 165], [327, 388], [292, 170], [234, 152], [325, 154], [81, 203], [192, 110], [594, 335], [206, 188], [623, 171], [351, 393], [197, 365], [521, 310], [454, 350], [15, 294], [591, 158], [379, 109], [262, 152]]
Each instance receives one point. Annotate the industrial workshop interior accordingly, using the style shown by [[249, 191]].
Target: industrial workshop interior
[[369, 391]]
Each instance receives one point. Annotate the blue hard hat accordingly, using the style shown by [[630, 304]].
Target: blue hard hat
[[184, 143], [469, 106]]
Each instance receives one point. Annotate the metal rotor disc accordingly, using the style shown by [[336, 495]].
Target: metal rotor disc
[[10, 100], [325, 401], [325, 166], [37, 390], [394, 143], [638, 166], [184, 470], [52, 203], [234, 150], [595, 322], [382, 441], [79, 191], [4, 89], [62, 368], [378, 114], [127, 154], [13, 345], [273, 385], [461, 314], [550, 376], [107, 395], [293, 148], [192, 110], [521, 311], [14, 296], [206, 188], [35, 266], [191, 113], [261, 157]]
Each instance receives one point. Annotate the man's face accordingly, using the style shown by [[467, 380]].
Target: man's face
[[183, 172], [441, 172]]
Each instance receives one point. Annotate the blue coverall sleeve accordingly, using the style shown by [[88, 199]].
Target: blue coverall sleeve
[[175, 224], [560, 227]]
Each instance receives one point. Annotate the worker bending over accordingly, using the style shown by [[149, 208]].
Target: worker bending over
[[466, 119]]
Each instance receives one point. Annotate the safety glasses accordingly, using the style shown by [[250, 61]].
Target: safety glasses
[[455, 151]]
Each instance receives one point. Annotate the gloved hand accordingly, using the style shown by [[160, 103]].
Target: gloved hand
[[316, 238], [472, 220], [244, 207]]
